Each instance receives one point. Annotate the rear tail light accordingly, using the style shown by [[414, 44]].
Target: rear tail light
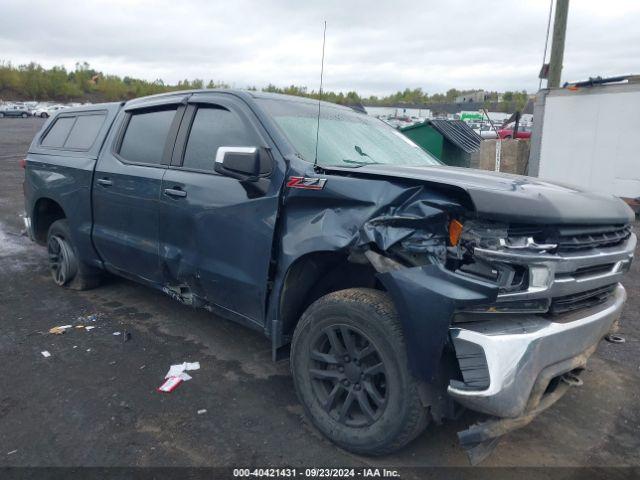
[[23, 162]]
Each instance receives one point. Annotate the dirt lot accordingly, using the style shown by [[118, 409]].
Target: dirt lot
[[94, 401]]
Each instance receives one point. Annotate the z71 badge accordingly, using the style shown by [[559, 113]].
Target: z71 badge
[[306, 183]]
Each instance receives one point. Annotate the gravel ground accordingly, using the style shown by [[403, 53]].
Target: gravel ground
[[93, 402]]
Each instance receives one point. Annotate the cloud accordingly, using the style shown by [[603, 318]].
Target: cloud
[[373, 47]]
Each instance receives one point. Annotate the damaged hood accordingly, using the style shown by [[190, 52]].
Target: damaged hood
[[505, 197]]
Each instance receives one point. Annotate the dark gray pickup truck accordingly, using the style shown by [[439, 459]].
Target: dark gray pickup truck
[[402, 290]]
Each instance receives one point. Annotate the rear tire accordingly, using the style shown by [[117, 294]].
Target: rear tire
[[67, 270], [24, 115], [44, 115], [350, 370]]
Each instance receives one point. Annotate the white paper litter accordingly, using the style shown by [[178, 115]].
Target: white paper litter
[[201, 411], [89, 327], [116, 333], [12, 452], [45, 354], [176, 370]]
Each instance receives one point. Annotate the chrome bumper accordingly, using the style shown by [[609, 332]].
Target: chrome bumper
[[525, 352]]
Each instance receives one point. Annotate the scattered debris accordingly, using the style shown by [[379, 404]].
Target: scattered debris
[[202, 411], [88, 349], [176, 370], [89, 327], [142, 367], [75, 346], [615, 338], [12, 452], [89, 318], [112, 362], [45, 354], [177, 375], [116, 333], [59, 330], [170, 384]]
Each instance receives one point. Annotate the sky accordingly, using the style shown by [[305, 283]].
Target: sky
[[373, 47]]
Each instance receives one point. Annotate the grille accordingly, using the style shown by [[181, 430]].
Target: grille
[[575, 237], [589, 298]]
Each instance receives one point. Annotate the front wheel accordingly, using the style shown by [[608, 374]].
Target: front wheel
[[24, 115], [350, 370], [44, 115]]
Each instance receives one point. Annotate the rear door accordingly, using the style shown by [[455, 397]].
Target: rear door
[[216, 232], [126, 188]]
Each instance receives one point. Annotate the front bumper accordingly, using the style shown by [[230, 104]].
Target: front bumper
[[524, 353]]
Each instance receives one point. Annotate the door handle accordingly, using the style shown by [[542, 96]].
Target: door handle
[[105, 182], [175, 192]]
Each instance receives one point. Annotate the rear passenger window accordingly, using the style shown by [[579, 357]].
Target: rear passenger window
[[74, 132], [84, 132], [213, 128], [58, 133], [146, 134]]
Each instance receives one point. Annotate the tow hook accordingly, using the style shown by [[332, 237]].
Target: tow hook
[[572, 379]]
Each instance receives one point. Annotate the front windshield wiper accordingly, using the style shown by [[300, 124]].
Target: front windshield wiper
[[361, 163]]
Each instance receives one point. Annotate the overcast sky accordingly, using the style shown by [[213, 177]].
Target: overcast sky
[[373, 47]]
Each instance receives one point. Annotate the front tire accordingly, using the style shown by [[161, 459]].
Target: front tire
[[350, 370], [67, 270]]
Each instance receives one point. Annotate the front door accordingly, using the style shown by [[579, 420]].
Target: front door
[[126, 190], [216, 232]]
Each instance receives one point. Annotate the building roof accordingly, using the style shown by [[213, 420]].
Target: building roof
[[455, 131]]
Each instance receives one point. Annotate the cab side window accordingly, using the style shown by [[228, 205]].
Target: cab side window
[[146, 134], [213, 128]]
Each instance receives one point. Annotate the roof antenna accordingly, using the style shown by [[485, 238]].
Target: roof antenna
[[324, 37]]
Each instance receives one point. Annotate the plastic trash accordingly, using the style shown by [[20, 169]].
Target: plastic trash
[[171, 383], [45, 354], [176, 375], [59, 330], [202, 411]]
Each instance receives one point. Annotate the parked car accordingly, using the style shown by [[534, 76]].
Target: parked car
[[14, 111], [507, 132], [403, 289], [47, 110], [487, 132]]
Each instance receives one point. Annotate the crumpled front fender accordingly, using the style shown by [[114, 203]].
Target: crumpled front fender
[[426, 298]]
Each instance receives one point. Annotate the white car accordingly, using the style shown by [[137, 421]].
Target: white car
[[47, 111]]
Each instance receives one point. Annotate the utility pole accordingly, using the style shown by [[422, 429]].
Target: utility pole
[[557, 45]]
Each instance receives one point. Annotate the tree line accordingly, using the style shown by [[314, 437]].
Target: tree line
[[85, 84]]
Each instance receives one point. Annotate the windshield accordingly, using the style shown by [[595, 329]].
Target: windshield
[[345, 138]]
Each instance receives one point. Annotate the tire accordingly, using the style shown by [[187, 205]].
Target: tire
[[1, 115], [24, 115], [385, 412], [64, 263], [44, 115]]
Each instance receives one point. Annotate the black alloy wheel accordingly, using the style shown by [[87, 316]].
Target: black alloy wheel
[[61, 260], [348, 375]]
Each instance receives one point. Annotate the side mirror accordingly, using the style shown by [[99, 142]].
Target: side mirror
[[243, 163]]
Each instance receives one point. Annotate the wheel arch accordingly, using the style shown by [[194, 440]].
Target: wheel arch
[[316, 274], [45, 212]]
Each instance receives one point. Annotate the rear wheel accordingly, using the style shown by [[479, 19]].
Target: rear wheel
[[65, 267], [24, 115], [351, 373], [44, 115]]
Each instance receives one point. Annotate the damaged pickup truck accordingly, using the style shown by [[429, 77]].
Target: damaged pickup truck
[[402, 290]]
